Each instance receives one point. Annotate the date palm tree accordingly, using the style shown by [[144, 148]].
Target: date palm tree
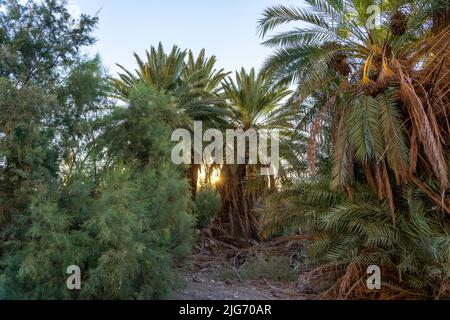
[[254, 103], [380, 98], [192, 81], [386, 83]]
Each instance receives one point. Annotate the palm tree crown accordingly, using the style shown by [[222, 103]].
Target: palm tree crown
[[254, 102], [382, 120]]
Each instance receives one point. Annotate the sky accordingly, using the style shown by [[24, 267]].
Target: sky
[[225, 28]]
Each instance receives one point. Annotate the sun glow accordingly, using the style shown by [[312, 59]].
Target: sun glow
[[212, 180]]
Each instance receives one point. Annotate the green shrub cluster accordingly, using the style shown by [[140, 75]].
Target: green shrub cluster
[[87, 181], [205, 206], [126, 234]]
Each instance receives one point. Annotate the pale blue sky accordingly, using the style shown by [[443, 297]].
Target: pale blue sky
[[225, 28]]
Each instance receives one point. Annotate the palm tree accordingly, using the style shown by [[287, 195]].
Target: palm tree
[[162, 71], [202, 100], [254, 104], [386, 88], [193, 82]]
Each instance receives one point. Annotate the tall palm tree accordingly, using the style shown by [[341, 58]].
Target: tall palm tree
[[201, 100], [193, 82], [387, 89], [254, 103]]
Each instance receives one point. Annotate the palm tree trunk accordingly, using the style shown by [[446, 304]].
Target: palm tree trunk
[[235, 222], [193, 173]]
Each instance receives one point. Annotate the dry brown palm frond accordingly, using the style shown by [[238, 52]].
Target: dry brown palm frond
[[424, 126], [413, 153], [351, 280], [431, 66], [350, 283], [384, 187], [438, 199], [434, 78], [389, 194], [444, 290]]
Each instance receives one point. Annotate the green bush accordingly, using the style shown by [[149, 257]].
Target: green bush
[[126, 243], [127, 232], [139, 237], [34, 263], [206, 205]]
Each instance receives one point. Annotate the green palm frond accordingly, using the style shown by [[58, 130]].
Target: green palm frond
[[278, 15], [393, 131], [193, 81], [255, 102]]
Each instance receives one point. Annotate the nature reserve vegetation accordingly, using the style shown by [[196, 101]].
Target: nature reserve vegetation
[[363, 111]]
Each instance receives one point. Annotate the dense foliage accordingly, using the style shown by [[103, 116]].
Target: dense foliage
[[378, 98], [77, 187], [206, 205], [86, 176]]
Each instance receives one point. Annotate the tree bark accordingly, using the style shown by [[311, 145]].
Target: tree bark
[[193, 173]]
